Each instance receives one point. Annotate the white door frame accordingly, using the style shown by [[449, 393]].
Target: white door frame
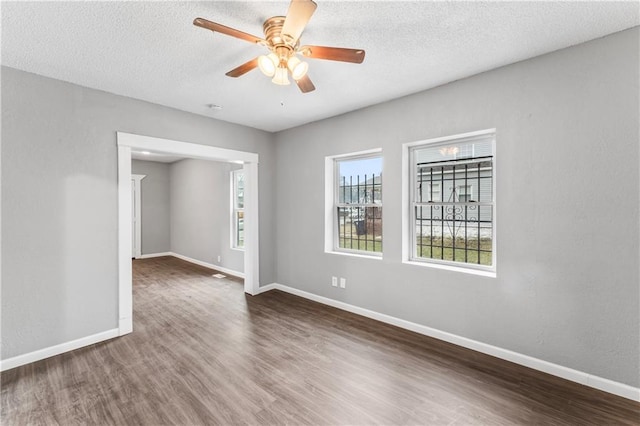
[[137, 231], [127, 141]]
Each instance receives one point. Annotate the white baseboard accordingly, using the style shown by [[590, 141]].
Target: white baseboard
[[125, 326], [150, 255], [17, 361], [208, 265], [265, 288], [581, 377], [196, 261]]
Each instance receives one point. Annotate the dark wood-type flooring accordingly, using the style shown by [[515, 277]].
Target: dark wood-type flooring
[[202, 352]]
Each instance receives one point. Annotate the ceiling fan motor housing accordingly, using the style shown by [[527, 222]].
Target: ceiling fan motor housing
[[277, 42]]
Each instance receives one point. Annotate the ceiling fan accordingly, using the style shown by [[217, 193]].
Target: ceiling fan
[[282, 38]]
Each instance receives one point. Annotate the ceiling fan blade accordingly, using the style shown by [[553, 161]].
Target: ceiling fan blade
[[215, 27], [333, 53], [244, 68], [305, 84], [298, 16]]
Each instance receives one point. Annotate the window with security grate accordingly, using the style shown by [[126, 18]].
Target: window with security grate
[[453, 203], [358, 204]]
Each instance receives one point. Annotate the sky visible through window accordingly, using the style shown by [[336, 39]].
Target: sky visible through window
[[361, 167]]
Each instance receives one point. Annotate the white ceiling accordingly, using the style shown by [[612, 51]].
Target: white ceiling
[[151, 50], [155, 156]]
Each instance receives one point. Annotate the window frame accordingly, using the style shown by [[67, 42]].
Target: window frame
[[332, 202], [235, 210], [409, 200]]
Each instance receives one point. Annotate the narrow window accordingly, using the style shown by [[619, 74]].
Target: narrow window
[[358, 204], [452, 201], [237, 207]]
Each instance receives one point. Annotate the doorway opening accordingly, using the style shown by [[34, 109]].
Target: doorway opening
[[129, 142]]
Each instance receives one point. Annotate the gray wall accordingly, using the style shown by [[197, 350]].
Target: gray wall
[[567, 191], [155, 205], [200, 212], [186, 210], [59, 202], [567, 286]]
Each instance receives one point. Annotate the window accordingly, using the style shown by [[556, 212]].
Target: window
[[357, 204], [464, 193], [237, 209], [452, 201]]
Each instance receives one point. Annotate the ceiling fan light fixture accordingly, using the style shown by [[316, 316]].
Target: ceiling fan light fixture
[[268, 64], [297, 67], [281, 77], [282, 38]]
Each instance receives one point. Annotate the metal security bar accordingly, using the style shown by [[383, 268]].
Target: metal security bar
[[453, 210], [359, 210]]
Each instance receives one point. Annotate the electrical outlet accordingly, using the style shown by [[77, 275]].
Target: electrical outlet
[[334, 281], [343, 282], [219, 259]]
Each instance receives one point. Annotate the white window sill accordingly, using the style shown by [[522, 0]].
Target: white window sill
[[346, 253], [490, 274], [237, 249]]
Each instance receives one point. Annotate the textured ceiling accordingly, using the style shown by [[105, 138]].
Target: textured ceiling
[[151, 50]]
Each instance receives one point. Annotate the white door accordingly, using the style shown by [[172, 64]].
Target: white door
[[133, 218], [136, 216]]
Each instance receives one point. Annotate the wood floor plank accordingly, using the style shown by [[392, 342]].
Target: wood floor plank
[[203, 352]]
